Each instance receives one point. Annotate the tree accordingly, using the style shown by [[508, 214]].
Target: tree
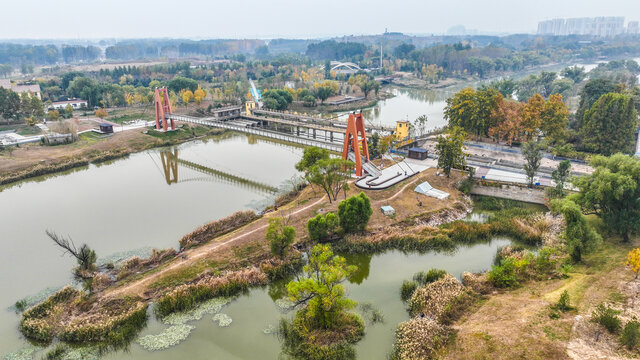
[[330, 175], [450, 150], [609, 126], [575, 73], [354, 213], [561, 174], [633, 261], [31, 106], [186, 96], [9, 104], [384, 145], [179, 83], [471, 110], [68, 110], [592, 91], [53, 115], [612, 192], [508, 119], [279, 237], [532, 117], [532, 152], [322, 228], [325, 90], [420, 124], [320, 288], [26, 68], [84, 255], [199, 95], [580, 237], [506, 87], [553, 119], [101, 113], [310, 157], [365, 83]]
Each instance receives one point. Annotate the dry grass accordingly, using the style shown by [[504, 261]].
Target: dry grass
[[516, 324]]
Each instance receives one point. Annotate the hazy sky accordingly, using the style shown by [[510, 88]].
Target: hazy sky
[[284, 18]]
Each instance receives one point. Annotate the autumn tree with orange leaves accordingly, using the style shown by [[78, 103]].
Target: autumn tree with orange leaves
[[508, 119]]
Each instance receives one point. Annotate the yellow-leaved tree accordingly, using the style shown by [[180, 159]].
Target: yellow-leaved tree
[[199, 95], [187, 96], [633, 261]]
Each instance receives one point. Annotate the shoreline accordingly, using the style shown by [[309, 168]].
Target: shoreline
[[94, 156], [180, 283]]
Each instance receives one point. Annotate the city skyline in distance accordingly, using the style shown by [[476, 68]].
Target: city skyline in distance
[[75, 19]]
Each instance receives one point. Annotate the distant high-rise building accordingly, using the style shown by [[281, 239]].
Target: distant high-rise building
[[599, 26], [633, 27]]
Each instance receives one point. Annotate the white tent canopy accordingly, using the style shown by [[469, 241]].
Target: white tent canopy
[[426, 189]]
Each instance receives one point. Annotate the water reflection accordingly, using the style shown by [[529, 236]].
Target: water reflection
[[363, 263], [170, 162]]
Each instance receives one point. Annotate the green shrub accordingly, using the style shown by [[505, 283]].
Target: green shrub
[[607, 317], [424, 278], [466, 185], [21, 305], [564, 302], [504, 275], [322, 228], [354, 213], [631, 335], [407, 289]]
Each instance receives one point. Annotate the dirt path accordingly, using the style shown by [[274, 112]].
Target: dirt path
[[138, 287]]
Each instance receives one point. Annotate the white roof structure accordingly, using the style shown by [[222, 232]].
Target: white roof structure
[[426, 189]]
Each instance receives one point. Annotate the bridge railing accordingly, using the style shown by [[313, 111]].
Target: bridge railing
[[336, 147]]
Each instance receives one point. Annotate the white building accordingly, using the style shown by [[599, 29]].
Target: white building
[[633, 28], [75, 104], [599, 26]]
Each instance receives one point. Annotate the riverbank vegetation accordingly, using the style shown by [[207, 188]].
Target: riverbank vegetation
[[32, 160]]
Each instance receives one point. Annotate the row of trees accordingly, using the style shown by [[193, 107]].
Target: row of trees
[[14, 107], [486, 112]]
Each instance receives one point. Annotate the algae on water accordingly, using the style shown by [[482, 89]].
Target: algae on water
[[222, 319], [208, 307], [169, 337], [22, 354]]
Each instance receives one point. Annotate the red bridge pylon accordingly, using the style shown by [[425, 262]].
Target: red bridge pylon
[[355, 139], [163, 109]]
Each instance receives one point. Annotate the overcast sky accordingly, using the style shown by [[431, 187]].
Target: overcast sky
[[81, 19]]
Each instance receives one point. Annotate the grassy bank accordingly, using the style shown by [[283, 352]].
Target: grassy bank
[[77, 155]]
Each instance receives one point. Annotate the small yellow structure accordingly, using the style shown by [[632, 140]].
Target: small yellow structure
[[250, 105], [402, 129]]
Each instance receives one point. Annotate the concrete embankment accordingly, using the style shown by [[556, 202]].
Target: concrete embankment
[[512, 192]]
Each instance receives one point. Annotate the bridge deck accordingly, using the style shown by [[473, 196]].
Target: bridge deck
[[317, 120], [331, 146]]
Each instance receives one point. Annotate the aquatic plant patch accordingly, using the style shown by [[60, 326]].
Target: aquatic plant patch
[[169, 337], [223, 320], [23, 354], [208, 307]]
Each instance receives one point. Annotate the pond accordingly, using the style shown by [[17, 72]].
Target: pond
[[377, 282]]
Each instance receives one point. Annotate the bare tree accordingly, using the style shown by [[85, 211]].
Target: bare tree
[[84, 255]]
